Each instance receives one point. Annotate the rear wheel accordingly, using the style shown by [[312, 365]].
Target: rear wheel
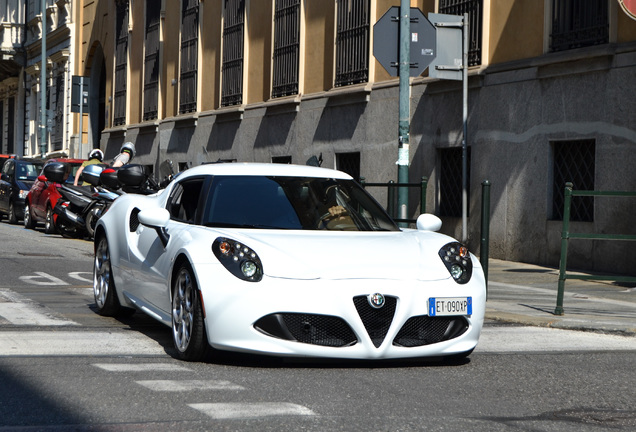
[[28, 220], [188, 328], [49, 223], [103, 283]]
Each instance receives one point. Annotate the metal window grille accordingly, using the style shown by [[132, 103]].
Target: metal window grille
[[58, 123], [189, 59], [286, 47], [574, 161], [349, 163], [151, 61], [474, 9], [579, 23], [121, 61], [352, 42], [233, 40], [450, 181]]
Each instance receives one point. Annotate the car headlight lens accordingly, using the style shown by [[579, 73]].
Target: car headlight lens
[[238, 259], [23, 194], [456, 258]]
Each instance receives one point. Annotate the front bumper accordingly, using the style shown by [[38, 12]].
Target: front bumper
[[331, 318]]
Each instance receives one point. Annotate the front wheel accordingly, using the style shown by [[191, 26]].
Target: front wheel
[[103, 282], [188, 328], [29, 223], [49, 222], [13, 217], [92, 217]]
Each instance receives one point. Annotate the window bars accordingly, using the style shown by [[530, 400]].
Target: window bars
[[286, 47], [189, 57], [474, 9], [151, 61], [579, 23], [352, 42], [121, 61], [574, 161], [233, 39]]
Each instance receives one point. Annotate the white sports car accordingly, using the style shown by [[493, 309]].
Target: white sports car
[[286, 260]]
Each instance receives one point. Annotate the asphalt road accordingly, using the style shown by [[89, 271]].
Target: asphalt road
[[63, 367]]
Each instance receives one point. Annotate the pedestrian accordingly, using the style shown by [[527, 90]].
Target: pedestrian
[[125, 155], [95, 156]]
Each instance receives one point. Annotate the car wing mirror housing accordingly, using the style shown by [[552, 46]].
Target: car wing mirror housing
[[42, 178], [156, 218], [428, 222]]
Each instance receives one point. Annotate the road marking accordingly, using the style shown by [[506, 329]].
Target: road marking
[[141, 367], [188, 385], [225, 411], [542, 339], [41, 278], [76, 275], [77, 343], [19, 310]]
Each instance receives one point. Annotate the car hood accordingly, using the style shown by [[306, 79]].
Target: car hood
[[410, 255], [24, 184]]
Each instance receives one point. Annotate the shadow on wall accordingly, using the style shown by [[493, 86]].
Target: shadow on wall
[[223, 135], [275, 130]]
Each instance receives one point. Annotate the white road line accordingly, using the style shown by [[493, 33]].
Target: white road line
[[19, 310], [225, 411], [141, 367], [65, 343], [541, 339], [188, 385]]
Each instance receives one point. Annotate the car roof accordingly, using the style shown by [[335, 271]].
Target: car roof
[[264, 169], [67, 160]]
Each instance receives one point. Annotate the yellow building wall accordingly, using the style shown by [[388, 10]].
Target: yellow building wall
[[210, 49], [257, 68], [516, 30], [319, 46]]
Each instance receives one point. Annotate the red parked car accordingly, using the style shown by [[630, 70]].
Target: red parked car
[[43, 196]]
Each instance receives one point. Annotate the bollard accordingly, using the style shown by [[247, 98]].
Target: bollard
[[390, 201], [423, 186], [565, 236], [485, 228]]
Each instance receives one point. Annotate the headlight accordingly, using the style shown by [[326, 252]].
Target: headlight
[[456, 258], [23, 194], [238, 259]]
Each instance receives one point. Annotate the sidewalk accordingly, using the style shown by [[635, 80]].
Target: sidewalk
[[526, 294]]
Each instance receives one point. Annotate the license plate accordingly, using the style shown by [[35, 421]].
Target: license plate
[[445, 306]]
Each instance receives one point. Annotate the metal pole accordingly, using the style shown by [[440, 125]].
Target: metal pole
[[405, 114], [485, 228], [465, 132], [81, 119], [565, 236], [43, 82]]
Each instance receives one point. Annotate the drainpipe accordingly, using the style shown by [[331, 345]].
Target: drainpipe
[[43, 82]]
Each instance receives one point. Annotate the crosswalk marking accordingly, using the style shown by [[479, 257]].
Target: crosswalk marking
[[188, 385], [141, 367], [19, 310], [226, 411]]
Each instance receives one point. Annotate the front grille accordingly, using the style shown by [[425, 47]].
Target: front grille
[[324, 330], [426, 330], [376, 321]]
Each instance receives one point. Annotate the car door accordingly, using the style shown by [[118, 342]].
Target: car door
[[6, 181], [150, 260]]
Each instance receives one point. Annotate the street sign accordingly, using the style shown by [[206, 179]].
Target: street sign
[[386, 37], [448, 62], [79, 92], [629, 6]]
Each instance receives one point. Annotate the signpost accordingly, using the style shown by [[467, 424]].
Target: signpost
[[79, 104]]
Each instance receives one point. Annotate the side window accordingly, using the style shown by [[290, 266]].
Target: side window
[[184, 201]]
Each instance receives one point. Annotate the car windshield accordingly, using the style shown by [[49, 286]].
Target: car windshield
[[27, 170], [299, 203]]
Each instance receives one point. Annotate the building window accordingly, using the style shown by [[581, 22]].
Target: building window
[[58, 122], [349, 163], [450, 181], [189, 58], [233, 39], [151, 61], [474, 9], [286, 47], [10, 125], [574, 162], [352, 42], [121, 60], [579, 23], [282, 159]]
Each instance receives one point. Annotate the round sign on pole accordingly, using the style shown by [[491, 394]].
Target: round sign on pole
[[629, 6]]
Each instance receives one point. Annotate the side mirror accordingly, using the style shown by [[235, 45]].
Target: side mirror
[[428, 222], [158, 219], [42, 178]]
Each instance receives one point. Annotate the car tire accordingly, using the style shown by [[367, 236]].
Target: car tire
[[188, 328], [13, 218], [103, 282], [92, 217], [29, 223], [49, 222]]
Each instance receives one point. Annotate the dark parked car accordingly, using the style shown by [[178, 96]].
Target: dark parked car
[[43, 196], [16, 180], [3, 158]]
